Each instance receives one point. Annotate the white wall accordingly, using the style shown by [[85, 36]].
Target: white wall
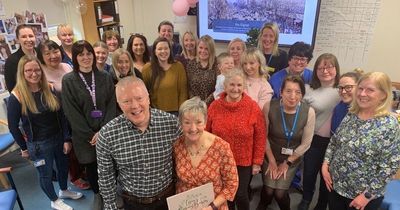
[[383, 53]]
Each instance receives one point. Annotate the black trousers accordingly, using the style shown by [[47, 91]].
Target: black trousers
[[241, 200], [338, 202]]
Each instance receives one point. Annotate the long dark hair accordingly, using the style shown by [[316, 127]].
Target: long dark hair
[[146, 54], [78, 48], [157, 72]]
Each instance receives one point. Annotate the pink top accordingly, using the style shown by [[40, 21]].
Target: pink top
[[54, 77], [259, 90]]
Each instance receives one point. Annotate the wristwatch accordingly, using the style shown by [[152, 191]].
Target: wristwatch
[[288, 162], [213, 206], [367, 195]]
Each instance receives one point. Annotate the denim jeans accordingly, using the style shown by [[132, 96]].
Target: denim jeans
[[50, 150], [313, 159]]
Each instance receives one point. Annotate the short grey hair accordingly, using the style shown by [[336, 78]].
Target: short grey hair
[[193, 105], [130, 80], [235, 72]]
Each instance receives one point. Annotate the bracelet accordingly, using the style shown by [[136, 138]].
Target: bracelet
[[213, 206]]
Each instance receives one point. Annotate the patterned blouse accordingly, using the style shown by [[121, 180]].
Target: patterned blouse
[[217, 166], [201, 81], [364, 155]]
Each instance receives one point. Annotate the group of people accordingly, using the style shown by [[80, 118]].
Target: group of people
[[147, 122]]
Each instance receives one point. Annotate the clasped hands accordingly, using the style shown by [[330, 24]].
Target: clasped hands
[[277, 171]]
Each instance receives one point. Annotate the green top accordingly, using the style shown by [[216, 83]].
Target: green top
[[172, 90]]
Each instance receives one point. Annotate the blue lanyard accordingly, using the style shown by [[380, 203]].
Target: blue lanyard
[[289, 134]]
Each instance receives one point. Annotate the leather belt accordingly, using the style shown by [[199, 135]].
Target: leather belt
[[170, 190]]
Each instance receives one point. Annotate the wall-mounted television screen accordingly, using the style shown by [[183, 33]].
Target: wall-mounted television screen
[[225, 20]]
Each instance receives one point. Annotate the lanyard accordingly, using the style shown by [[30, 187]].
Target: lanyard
[[92, 91], [289, 134], [269, 60]]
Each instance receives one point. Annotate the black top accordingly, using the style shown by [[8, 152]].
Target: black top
[[276, 63], [45, 123], [11, 68]]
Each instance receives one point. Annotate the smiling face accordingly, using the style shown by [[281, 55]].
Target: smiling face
[[162, 51], [123, 65], [32, 73], [85, 60], [138, 46], [166, 31], [226, 65], [369, 96], [297, 65], [234, 89], [135, 104], [66, 36], [291, 95], [101, 55], [347, 88], [235, 50], [52, 58], [112, 43], [26, 38], [189, 43], [202, 51], [251, 67], [268, 39], [326, 72], [193, 125]]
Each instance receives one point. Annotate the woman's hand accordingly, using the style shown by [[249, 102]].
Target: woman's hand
[[272, 169], [282, 169], [94, 139], [67, 147], [25, 153], [359, 202], [327, 176], [256, 169]]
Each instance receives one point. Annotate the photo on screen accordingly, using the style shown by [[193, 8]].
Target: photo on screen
[[225, 20]]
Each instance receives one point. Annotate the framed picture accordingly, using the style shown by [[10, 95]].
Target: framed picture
[[225, 20]]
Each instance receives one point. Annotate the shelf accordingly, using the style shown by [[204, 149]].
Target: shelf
[[100, 1], [107, 24]]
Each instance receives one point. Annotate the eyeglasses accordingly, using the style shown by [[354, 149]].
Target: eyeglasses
[[31, 71], [347, 88], [328, 68], [300, 59]]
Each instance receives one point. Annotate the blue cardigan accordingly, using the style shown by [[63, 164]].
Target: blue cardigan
[[339, 112], [276, 80]]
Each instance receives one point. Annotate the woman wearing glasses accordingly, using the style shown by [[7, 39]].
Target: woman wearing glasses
[[346, 87], [322, 95]]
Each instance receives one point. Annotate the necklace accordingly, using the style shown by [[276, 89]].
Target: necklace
[[197, 152]]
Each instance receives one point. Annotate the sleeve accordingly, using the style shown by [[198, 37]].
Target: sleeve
[[10, 73], [14, 111], [334, 143], [275, 82], [283, 60], [111, 103], [265, 94], [229, 174], [72, 110], [210, 97], [106, 170], [219, 87], [210, 117], [308, 134], [146, 73], [260, 137], [182, 84], [388, 160]]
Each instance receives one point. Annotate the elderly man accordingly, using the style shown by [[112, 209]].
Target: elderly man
[[137, 144]]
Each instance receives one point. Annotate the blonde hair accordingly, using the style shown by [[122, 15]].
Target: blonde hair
[[115, 57], [235, 72], [184, 51], [274, 27], [382, 82], [193, 105], [237, 40], [24, 94], [209, 41], [64, 27], [255, 54]]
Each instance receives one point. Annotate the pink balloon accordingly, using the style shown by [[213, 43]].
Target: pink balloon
[[180, 7], [191, 2]]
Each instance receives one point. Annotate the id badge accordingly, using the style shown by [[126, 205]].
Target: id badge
[[287, 151], [39, 163], [270, 69], [96, 114]]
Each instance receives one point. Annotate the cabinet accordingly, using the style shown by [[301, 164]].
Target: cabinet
[[101, 15]]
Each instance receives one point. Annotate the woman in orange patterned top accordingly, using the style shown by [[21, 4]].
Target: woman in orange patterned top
[[201, 157]]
